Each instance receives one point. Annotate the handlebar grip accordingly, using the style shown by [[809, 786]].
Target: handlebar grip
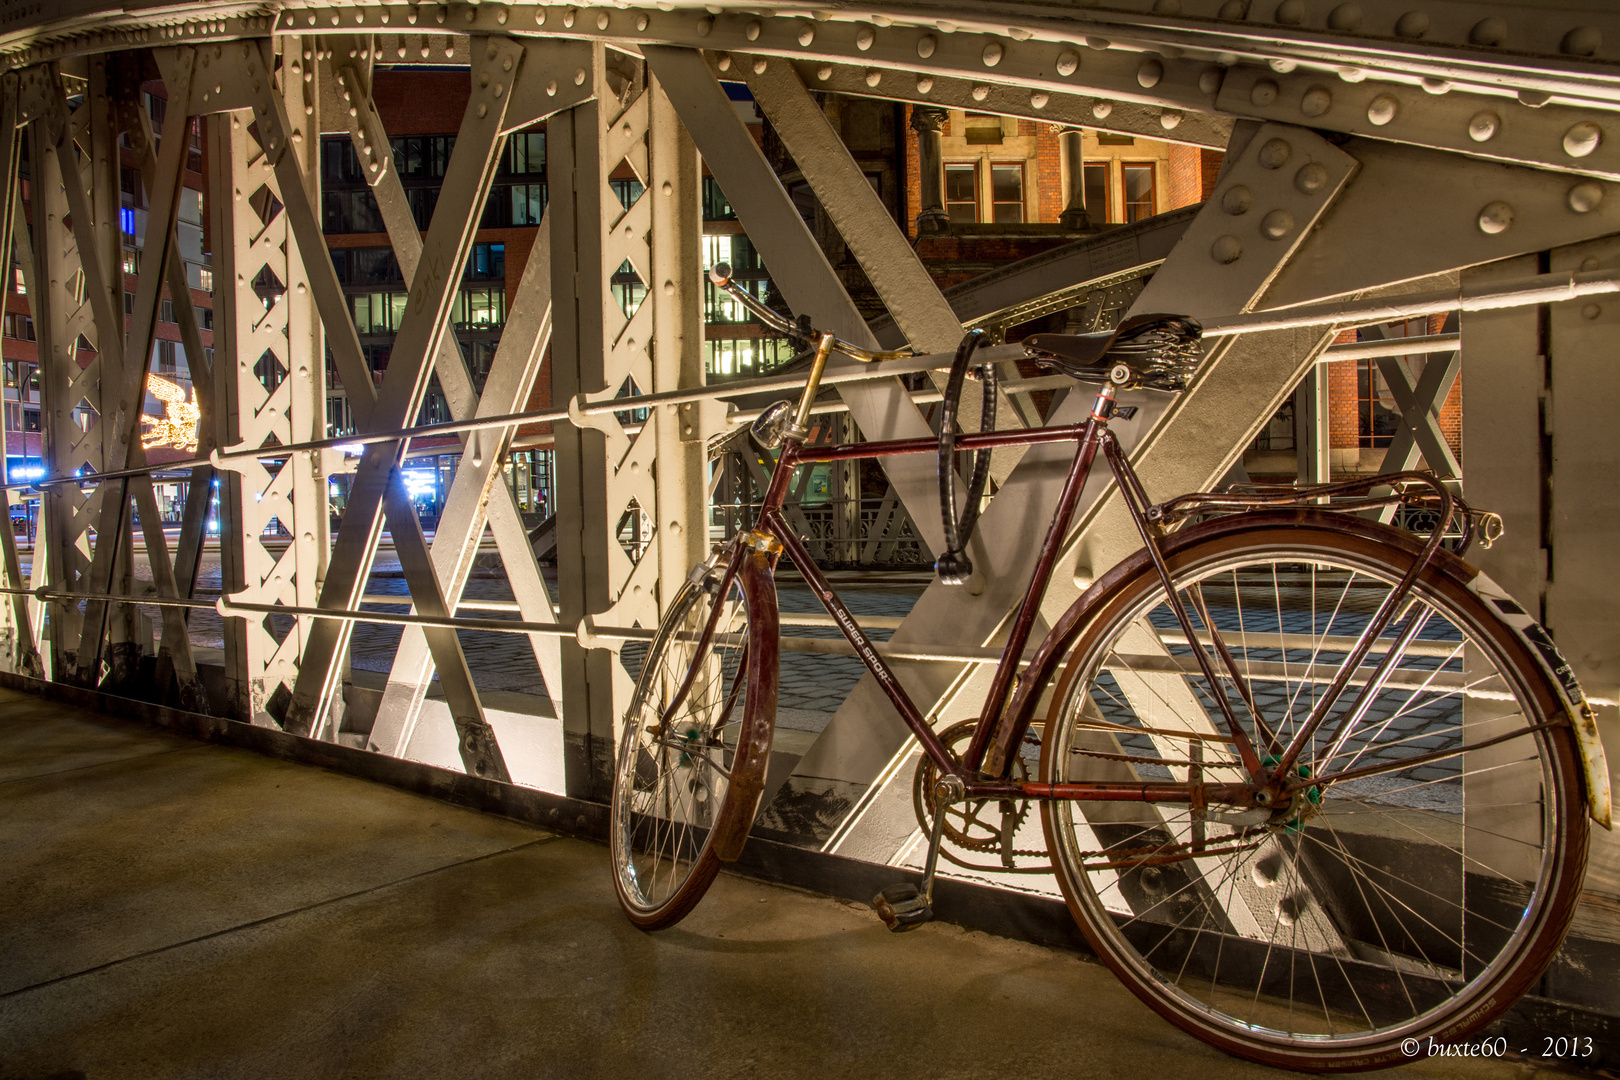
[[720, 274]]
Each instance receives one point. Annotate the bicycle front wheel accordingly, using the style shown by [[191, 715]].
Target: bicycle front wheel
[[684, 740], [1417, 888]]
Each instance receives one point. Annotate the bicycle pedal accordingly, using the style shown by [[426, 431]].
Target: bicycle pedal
[[902, 908]]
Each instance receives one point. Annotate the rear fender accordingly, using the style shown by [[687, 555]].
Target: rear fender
[[1582, 716]]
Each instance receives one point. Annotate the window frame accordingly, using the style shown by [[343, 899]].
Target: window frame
[[945, 189], [1126, 202], [1023, 192]]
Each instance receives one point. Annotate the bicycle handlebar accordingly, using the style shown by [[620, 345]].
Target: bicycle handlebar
[[720, 274]]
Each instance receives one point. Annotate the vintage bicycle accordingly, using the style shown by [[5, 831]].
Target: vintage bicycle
[[1312, 786]]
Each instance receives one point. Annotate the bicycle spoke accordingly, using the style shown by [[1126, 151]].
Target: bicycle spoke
[[1405, 855]]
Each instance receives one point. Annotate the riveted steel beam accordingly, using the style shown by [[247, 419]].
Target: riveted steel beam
[[799, 268], [943, 91]]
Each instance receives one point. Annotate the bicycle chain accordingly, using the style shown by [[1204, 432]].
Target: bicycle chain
[[1115, 854], [1143, 760]]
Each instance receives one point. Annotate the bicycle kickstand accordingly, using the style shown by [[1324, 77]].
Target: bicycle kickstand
[[905, 906]]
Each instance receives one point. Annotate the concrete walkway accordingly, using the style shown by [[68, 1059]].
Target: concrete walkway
[[175, 909]]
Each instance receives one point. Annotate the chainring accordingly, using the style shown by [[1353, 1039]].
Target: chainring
[[984, 826]]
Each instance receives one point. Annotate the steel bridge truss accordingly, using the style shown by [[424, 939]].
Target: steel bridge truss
[[1369, 160]]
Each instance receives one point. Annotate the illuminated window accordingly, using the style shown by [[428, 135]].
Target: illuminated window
[[962, 191], [628, 288], [480, 309], [1138, 191], [1007, 193]]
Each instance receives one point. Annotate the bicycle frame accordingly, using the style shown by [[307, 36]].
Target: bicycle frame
[[1007, 715], [1090, 437], [984, 769]]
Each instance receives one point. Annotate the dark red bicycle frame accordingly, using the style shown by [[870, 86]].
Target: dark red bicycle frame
[[1002, 726], [1089, 438]]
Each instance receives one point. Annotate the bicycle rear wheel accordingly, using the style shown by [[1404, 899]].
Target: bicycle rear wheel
[[684, 740], [1417, 891]]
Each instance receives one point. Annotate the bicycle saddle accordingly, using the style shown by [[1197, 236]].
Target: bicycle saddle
[[1161, 351]]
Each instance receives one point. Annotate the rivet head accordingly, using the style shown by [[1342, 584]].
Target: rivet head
[[752, 30], [723, 62], [1277, 224], [1414, 24], [1591, 311], [1316, 102], [873, 77], [824, 72], [760, 65], [992, 54], [864, 38], [1582, 139], [1226, 250], [1167, 7], [807, 35], [1149, 74], [1484, 126], [1209, 81], [551, 88], [704, 28], [1264, 92], [1495, 218], [1170, 119], [1381, 110], [1589, 263], [1068, 62], [981, 92], [568, 18], [1275, 153], [1234, 9], [669, 288], [1102, 109], [1038, 99], [1237, 200], [1489, 31], [579, 77], [1291, 12], [1582, 41], [1345, 17], [1585, 196], [925, 84], [641, 21], [483, 110]]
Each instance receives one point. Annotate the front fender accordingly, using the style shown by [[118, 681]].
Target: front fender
[[756, 575]]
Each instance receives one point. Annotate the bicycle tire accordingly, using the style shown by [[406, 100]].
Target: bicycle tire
[[1429, 940], [707, 781]]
